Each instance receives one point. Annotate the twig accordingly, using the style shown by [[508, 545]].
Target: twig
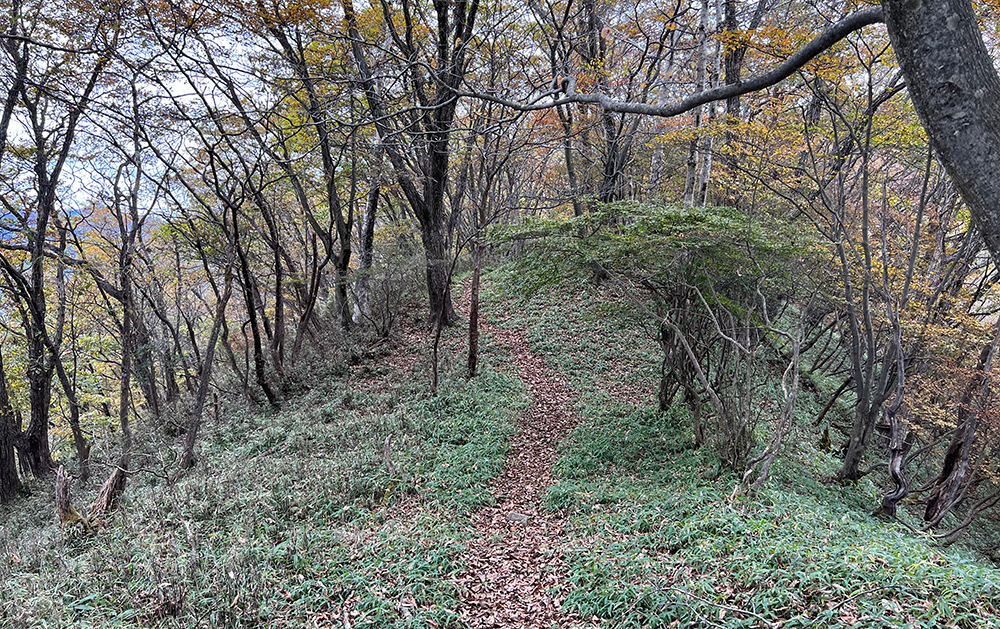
[[273, 450], [721, 606], [707, 621], [848, 600]]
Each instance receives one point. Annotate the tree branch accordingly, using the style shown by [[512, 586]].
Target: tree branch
[[822, 42]]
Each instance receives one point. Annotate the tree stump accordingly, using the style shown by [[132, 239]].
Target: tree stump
[[68, 515]]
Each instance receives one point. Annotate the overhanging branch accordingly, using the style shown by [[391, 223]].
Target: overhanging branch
[[826, 39]]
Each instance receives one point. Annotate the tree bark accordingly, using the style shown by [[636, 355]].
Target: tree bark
[[10, 483], [366, 250], [36, 438], [956, 91], [187, 457], [733, 59]]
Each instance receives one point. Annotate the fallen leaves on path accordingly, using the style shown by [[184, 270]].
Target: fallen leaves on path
[[516, 576]]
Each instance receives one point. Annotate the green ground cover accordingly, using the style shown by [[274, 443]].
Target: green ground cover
[[288, 518], [656, 541]]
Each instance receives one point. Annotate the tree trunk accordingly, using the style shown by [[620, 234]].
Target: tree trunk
[[35, 439], [194, 424], [760, 467], [566, 119], [708, 143], [865, 419], [474, 313], [251, 304], [442, 310], [956, 91], [145, 364], [10, 483], [898, 447], [733, 63], [733, 59], [657, 164], [691, 175], [49, 145], [82, 447], [366, 253], [871, 369], [114, 485], [278, 341], [733, 69], [308, 317], [53, 342], [342, 299]]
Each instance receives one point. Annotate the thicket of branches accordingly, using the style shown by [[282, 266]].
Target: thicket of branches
[[198, 198]]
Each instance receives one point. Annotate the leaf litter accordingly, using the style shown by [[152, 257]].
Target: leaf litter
[[515, 574]]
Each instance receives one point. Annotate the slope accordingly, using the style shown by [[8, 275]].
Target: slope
[[369, 503]]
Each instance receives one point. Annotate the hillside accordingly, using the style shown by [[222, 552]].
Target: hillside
[[369, 503]]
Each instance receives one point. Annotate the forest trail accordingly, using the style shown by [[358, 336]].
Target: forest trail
[[516, 576]]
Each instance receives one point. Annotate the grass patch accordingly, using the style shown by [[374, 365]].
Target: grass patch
[[656, 543], [289, 520]]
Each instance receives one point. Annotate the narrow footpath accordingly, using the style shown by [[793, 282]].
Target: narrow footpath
[[516, 576]]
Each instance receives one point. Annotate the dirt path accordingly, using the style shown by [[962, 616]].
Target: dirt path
[[516, 576]]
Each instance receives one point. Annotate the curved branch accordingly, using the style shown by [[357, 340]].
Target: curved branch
[[822, 42]]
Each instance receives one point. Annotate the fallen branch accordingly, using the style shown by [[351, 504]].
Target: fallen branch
[[735, 610], [390, 467]]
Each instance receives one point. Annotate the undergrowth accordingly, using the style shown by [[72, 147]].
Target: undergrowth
[[289, 519], [656, 542], [294, 519]]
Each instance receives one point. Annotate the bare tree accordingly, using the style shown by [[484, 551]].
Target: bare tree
[[50, 88], [416, 139]]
